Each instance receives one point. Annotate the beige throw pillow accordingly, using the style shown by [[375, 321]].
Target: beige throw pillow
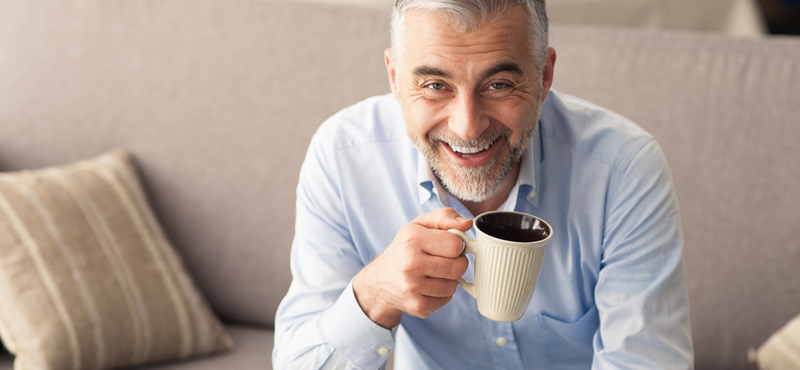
[[781, 351], [87, 278]]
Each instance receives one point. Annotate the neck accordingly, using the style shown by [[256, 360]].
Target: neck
[[496, 200]]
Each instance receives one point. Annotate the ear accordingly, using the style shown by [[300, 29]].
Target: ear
[[547, 73], [390, 68]]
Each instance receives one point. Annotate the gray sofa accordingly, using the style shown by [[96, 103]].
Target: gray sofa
[[217, 100]]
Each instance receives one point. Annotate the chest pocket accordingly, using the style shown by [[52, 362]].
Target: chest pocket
[[569, 343]]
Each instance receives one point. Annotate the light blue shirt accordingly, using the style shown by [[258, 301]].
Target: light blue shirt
[[612, 290]]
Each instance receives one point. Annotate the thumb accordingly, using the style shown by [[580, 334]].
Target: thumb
[[444, 219]]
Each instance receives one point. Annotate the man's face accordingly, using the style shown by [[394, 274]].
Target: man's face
[[470, 99]]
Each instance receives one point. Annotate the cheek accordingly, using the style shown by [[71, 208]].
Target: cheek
[[422, 117], [516, 117]]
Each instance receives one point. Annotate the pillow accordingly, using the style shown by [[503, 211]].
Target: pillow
[[87, 277], [781, 351]]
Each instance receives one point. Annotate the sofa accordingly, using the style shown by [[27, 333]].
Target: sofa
[[216, 101]]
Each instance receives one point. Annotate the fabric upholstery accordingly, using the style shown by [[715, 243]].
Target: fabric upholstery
[[216, 100], [732, 17], [782, 350], [253, 351], [87, 279]]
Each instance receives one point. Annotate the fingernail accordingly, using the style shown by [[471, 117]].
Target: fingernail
[[461, 219]]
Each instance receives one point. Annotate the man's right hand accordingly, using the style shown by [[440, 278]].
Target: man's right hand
[[417, 273]]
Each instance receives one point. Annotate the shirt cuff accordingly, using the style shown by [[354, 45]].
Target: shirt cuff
[[354, 335]]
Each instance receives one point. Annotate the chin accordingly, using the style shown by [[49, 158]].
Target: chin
[[472, 184]]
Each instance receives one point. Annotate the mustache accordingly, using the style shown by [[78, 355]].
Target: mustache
[[486, 138]]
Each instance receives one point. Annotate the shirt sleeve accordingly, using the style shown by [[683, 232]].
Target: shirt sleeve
[[641, 293], [319, 324]]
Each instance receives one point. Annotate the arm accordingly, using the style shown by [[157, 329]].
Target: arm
[[339, 313], [319, 321], [641, 293]]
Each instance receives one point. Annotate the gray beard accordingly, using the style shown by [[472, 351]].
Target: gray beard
[[476, 184]]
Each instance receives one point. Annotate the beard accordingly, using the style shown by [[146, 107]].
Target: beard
[[476, 184]]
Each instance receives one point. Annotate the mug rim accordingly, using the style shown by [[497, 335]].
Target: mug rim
[[520, 244]]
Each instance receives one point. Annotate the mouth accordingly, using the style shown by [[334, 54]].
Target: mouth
[[471, 156], [469, 152]]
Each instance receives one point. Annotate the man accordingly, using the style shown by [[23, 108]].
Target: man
[[472, 126]]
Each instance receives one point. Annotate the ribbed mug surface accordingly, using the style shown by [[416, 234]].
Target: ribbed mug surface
[[505, 278], [509, 250]]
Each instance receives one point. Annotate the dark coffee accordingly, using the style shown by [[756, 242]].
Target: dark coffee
[[513, 227]]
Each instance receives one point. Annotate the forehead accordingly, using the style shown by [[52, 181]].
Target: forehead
[[431, 36]]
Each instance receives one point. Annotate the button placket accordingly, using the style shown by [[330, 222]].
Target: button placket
[[502, 345]]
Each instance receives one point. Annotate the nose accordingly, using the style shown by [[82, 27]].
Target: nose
[[467, 119]]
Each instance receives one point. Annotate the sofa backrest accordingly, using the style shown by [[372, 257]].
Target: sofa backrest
[[217, 101]]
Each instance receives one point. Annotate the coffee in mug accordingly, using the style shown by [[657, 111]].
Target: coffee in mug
[[509, 250]]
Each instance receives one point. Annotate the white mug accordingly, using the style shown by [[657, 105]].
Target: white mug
[[509, 249]]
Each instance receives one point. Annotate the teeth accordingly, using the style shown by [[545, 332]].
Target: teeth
[[469, 150]]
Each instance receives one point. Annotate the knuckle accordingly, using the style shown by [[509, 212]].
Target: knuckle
[[406, 264], [407, 286], [453, 288], [414, 241], [452, 272], [456, 246], [417, 307], [457, 269], [462, 264], [445, 210]]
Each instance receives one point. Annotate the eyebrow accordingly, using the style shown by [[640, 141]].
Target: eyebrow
[[503, 67], [425, 70]]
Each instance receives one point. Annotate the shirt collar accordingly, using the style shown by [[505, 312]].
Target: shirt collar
[[429, 184], [529, 172], [526, 185]]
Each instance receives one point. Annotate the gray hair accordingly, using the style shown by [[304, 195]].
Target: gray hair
[[467, 15]]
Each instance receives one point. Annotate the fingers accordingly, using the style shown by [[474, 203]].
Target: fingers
[[427, 295], [442, 243], [444, 219], [429, 232], [444, 268], [438, 288], [426, 306], [417, 272]]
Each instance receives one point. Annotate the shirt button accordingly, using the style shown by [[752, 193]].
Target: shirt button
[[383, 351], [501, 341], [532, 194]]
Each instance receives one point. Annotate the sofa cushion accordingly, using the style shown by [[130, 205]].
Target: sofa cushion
[[781, 350], [253, 351], [87, 278]]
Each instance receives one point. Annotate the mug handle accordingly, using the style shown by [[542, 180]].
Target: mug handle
[[470, 246]]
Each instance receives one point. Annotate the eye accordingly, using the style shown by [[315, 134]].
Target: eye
[[435, 86], [437, 90], [499, 89]]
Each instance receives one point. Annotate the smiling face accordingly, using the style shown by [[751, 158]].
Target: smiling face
[[471, 99]]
